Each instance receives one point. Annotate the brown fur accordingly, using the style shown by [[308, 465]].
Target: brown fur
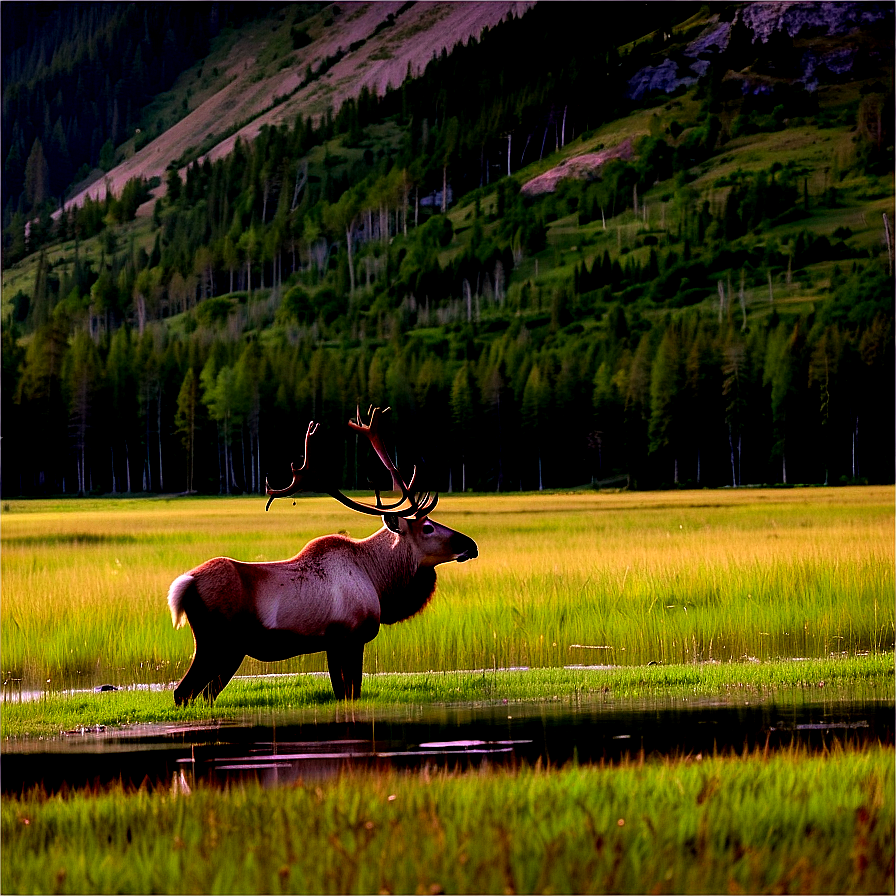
[[333, 596], [403, 600]]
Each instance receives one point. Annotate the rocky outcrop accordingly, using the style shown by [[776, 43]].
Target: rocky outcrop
[[582, 167], [693, 63], [793, 17], [684, 67]]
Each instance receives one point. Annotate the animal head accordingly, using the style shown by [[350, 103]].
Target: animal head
[[431, 542]]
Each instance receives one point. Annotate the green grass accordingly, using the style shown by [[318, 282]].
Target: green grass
[[306, 698], [627, 579], [722, 589], [786, 823]]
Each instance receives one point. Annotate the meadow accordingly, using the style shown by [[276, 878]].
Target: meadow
[[562, 579], [746, 596], [785, 823]]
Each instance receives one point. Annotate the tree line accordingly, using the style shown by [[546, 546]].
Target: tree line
[[682, 401]]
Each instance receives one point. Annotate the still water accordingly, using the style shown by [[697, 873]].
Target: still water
[[455, 737]]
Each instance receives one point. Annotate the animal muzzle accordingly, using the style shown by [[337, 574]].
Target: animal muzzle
[[464, 547]]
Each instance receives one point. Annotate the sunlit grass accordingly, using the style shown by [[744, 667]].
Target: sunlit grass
[[622, 579], [791, 822], [285, 699]]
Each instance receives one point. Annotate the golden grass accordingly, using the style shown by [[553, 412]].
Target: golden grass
[[561, 579]]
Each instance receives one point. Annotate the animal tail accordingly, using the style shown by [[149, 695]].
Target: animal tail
[[176, 594]]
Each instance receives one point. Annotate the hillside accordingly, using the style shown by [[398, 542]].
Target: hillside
[[262, 81], [657, 255]]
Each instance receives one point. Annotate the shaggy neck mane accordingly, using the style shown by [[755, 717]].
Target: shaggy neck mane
[[404, 599]]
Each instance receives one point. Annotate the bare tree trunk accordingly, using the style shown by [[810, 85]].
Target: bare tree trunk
[[301, 180], [226, 457], [232, 475], [734, 466], [147, 478], [159, 435], [141, 313], [509, 138], [243, 455], [258, 460], [889, 239], [351, 265], [218, 453], [404, 202]]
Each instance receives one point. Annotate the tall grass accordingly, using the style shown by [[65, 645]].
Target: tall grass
[[565, 579], [788, 823]]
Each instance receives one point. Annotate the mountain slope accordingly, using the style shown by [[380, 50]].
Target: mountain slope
[[267, 82]]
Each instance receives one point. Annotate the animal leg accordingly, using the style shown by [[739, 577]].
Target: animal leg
[[200, 673], [227, 666], [345, 664], [209, 672]]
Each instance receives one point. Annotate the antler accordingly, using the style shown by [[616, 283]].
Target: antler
[[410, 504], [418, 505], [298, 475]]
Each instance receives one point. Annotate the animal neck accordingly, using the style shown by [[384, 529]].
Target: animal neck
[[404, 586]]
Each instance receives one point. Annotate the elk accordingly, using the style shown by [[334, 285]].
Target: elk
[[332, 596]]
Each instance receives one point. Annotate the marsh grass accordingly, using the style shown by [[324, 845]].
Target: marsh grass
[[284, 699], [584, 578], [790, 822]]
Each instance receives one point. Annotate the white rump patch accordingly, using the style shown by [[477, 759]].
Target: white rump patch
[[176, 598]]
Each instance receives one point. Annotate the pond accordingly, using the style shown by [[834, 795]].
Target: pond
[[456, 737]]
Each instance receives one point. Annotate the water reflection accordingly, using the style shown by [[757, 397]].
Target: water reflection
[[455, 737]]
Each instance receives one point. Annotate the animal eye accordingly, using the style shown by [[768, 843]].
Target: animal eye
[[428, 528]]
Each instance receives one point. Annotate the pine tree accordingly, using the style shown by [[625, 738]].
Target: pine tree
[[37, 177]]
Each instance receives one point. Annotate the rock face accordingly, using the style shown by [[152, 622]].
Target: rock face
[[762, 20], [792, 17], [582, 167], [669, 75]]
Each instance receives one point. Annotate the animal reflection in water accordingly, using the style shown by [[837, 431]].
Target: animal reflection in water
[[333, 595]]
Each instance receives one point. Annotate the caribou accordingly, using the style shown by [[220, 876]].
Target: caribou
[[332, 596]]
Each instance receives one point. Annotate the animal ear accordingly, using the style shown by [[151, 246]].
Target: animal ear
[[391, 522]]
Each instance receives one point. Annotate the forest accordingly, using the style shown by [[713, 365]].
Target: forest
[[703, 310]]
